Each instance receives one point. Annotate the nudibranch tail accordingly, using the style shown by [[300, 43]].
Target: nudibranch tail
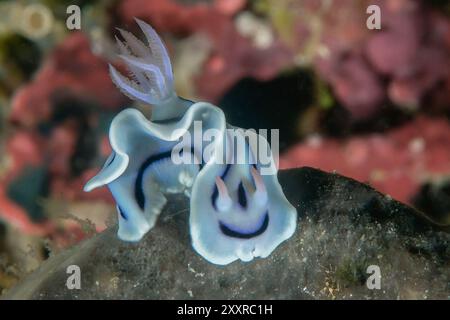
[[152, 78]]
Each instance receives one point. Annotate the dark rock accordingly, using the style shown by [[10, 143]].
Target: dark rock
[[344, 226]]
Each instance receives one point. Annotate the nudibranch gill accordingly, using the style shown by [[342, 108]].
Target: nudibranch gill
[[236, 212]]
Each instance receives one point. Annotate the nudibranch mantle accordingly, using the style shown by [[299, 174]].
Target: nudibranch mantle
[[235, 211]]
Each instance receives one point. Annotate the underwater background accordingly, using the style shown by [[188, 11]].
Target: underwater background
[[372, 105]]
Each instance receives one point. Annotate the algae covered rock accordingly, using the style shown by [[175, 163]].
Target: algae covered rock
[[347, 233]]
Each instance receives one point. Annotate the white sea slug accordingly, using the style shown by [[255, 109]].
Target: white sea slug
[[236, 212]]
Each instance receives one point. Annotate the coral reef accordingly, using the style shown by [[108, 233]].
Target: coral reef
[[53, 120], [232, 57], [397, 162], [72, 69], [403, 63]]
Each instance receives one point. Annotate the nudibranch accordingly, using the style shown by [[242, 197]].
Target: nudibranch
[[236, 211]]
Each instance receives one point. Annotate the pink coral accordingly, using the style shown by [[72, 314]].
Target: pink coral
[[357, 86], [71, 69], [396, 163], [233, 56], [70, 72], [404, 61]]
